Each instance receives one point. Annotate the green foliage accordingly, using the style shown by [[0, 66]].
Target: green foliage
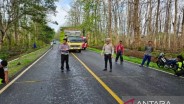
[[182, 53], [47, 34], [90, 17], [70, 28], [62, 35], [57, 36], [141, 48], [29, 23], [155, 53], [4, 55]]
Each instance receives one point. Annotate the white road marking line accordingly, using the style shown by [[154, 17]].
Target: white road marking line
[[10, 83]]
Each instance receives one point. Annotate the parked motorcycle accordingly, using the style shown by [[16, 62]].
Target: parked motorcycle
[[162, 61]]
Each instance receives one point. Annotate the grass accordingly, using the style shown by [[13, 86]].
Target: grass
[[62, 36], [135, 60], [25, 60]]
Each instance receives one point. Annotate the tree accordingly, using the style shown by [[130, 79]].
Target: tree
[[138, 21], [109, 19], [17, 16]]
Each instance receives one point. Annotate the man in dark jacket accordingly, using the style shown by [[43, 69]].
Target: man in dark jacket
[[3, 71]]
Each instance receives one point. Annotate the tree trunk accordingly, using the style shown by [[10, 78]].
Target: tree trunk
[[175, 26], [115, 8], [136, 24], [167, 24], [182, 36], [109, 19], [157, 15], [3, 35], [150, 20]]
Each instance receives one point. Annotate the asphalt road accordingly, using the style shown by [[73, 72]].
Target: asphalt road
[[44, 83]]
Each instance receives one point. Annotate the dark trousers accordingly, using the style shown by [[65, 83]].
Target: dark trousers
[[119, 54], [179, 73], [64, 58], [2, 75], [107, 58], [148, 58]]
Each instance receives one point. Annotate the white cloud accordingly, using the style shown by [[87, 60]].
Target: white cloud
[[62, 11]]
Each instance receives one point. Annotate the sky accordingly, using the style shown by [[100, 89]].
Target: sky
[[63, 6]]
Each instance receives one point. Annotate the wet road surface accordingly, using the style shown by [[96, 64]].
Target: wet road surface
[[129, 79], [44, 83]]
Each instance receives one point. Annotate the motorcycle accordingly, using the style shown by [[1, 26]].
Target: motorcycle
[[162, 61]]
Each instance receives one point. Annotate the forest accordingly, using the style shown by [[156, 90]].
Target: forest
[[24, 23], [133, 21]]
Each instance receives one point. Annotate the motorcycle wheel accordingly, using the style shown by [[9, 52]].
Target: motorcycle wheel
[[160, 64]]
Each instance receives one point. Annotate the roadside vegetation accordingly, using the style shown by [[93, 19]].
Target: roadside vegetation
[[23, 26], [24, 33], [23, 61], [136, 60]]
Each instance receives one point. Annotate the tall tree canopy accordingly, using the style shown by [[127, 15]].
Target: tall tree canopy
[[133, 21], [24, 22]]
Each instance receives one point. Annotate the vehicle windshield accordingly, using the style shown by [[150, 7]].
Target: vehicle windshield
[[75, 39]]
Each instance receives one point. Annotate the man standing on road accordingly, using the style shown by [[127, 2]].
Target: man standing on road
[[108, 51], [3, 71], [119, 52], [64, 55], [147, 55]]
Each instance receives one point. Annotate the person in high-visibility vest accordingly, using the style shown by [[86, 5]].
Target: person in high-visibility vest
[[3, 72], [180, 67]]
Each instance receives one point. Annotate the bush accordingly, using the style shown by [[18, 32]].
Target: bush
[[4, 55], [182, 53], [134, 53], [141, 48]]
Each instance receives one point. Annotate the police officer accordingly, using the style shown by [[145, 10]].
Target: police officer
[[180, 67], [108, 51]]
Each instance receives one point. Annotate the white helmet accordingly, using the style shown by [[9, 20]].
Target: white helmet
[[161, 54]]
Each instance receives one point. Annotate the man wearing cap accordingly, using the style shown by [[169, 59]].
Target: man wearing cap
[[108, 51], [64, 55], [3, 71]]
